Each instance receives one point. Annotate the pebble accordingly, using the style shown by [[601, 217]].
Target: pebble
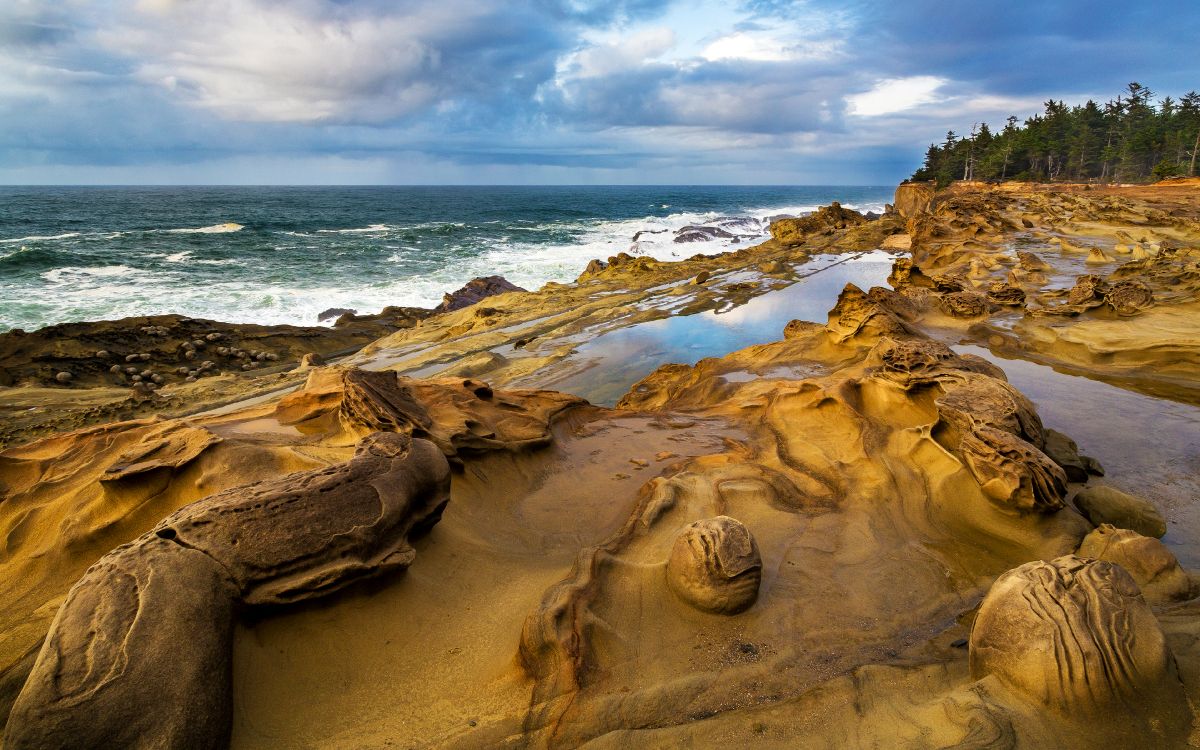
[[213, 336], [102, 354], [63, 377], [136, 378], [115, 369], [189, 354]]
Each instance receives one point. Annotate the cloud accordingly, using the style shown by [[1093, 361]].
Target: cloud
[[564, 90], [895, 95]]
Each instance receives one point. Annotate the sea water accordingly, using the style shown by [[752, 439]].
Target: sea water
[[284, 254]]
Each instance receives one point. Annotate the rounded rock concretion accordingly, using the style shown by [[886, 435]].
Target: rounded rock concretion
[[1075, 635], [715, 566]]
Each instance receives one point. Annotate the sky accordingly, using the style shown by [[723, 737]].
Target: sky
[[548, 91]]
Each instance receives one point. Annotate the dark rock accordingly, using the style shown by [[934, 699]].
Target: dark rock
[[476, 290], [334, 312], [701, 234]]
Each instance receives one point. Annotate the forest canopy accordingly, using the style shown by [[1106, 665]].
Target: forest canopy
[[1131, 138]]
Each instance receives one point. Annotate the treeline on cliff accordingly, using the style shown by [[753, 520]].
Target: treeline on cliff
[[1132, 138]]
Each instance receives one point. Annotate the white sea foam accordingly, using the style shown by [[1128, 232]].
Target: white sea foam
[[40, 238], [374, 228], [90, 291], [225, 228]]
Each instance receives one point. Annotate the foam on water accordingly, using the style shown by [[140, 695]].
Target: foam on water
[[283, 255]]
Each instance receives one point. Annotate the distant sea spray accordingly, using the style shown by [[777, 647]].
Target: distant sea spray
[[282, 255]]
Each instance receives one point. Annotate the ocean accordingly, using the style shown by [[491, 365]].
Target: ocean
[[284, 254]]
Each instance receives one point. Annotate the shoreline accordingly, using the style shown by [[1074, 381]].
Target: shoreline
[[548, 589]]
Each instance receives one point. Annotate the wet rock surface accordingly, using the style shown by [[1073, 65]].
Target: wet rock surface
[[885, 581], [476, 290]]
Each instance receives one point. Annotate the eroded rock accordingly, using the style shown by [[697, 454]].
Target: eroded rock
[[715, 566], [139, 654], [475, 290], [1076, 636], [1103, 504], [1148, 560], [964, 304]]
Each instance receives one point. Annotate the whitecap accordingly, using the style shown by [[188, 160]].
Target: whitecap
[[40, 238], [225, 228], [360, 230]]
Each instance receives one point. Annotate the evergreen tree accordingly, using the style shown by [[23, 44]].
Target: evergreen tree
[[1130, 138]]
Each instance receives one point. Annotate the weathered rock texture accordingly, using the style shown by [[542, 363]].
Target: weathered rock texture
[[475, 291], [1076, 636], [139, 653], [715, 566]]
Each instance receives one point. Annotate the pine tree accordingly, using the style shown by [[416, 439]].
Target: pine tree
[[1129, 138]]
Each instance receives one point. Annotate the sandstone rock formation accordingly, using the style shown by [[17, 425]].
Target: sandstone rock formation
[[139, 654], [715, 566], [476, 290], [1146, 559], [1102, 504], [1075, 636]]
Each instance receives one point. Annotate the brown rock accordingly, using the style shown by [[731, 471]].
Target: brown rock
[[1076, 636], [1145, 558], [475, 290], [715, 566], [1089, 290], [913, 198], [1003, 293], [1103, 504], [139, 654], [964, 304], [1129, 297]]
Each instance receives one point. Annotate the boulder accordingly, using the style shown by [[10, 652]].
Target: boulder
[[1075, 636], [913, 198], [1148, 560], [964, 304], [1066, 454], [475, 290], [715, 566], [1129, 297], [1103, 504]]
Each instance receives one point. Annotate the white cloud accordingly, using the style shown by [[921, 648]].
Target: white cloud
[[323, 61], [895, 95], [623, 54], [743, 46]]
